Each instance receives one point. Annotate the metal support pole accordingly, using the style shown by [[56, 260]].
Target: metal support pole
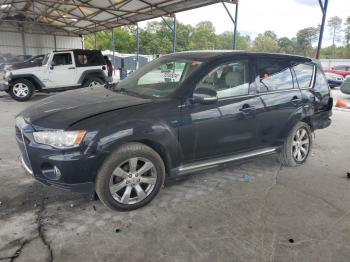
[[235, 29], [174, 35], [55, 42], [24, 43], [324, 13], [137, 46], [113, 50], [95, 38], [234, 21]]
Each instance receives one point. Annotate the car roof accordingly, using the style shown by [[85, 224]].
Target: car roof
[[76, 50], [212, 54]]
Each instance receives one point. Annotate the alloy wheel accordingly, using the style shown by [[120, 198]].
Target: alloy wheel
[[133, 180], [20, 90], [94, 83], [301, 145]]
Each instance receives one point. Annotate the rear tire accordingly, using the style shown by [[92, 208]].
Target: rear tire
[[93, 81], [21, 89], [297, 146], [130, 178]]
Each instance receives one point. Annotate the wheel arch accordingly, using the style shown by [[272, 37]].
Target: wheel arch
[[32, 78], [90, 74], [298, 116], [161, 150]]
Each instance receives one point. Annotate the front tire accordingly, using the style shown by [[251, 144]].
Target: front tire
[[130, 178], [21, 90], [297, 146]]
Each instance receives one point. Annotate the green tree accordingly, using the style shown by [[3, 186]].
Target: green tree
[[305, 38], [287, 45], [334, 24], [203, 36], [224, 41], [265, 43], [347, 32]]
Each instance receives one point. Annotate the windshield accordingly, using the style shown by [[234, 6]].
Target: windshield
[[159, 78], [46, 58]]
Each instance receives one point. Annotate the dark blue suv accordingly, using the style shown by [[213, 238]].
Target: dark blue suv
[[179, 114]]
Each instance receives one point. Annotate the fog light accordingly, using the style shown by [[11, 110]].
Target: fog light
[[51, 172]]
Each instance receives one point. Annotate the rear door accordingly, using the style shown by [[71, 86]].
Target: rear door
[[280, 95], [62, 71]]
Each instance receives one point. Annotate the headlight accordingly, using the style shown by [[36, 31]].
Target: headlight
[[60, 139]]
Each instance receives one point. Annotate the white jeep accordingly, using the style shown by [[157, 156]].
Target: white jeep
[[60, 70]]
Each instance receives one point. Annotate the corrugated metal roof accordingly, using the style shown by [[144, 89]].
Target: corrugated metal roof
[[79, 17]]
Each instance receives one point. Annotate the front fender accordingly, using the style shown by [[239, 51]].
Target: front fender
[[107, 132]]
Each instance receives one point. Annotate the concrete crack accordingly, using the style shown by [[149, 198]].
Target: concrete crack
[[41, 230], [18, 251], [273, 184], [40, 236]]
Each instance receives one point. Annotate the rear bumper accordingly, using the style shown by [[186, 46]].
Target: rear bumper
[[321, 120]]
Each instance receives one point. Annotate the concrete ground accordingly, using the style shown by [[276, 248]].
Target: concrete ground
[[277, 214]]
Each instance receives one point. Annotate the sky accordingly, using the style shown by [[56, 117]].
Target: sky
[[284, 17]]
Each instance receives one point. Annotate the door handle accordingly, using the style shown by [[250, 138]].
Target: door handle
[[71, 67], [247, 108], [295, 100]]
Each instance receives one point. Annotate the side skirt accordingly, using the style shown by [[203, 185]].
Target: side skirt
[[203, 165], [58, 89]]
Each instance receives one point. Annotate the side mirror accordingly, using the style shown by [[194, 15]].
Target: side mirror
[[52, 66], [205, 96]]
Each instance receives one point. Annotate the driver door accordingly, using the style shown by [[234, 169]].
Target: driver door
[[226, 126], [62, 71]]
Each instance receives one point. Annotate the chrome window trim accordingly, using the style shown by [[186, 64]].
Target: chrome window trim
[[279, 91]]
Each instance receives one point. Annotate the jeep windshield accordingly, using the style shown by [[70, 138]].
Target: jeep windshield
[[46, 58], [160, 78]]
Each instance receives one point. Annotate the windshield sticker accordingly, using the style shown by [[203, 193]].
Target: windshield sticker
[[171, 75]]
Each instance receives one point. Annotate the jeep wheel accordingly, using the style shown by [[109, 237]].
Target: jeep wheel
[[297, 146], [94, 81], [130, 178], [21, 89]]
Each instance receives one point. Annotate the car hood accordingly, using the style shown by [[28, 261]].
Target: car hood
[[22, 65], [63, 110]]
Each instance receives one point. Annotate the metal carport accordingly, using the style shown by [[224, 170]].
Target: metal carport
[[81, 17]]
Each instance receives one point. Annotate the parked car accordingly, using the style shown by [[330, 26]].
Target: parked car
[[334, 80], [15, 59], [125, 140], [60, 70], [343, 70], [31, 62], [345, 87]]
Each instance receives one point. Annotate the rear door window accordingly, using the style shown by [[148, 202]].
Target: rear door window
[[274, 75], [304, 74]]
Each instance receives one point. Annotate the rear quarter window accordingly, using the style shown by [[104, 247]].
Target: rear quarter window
[[304, 74], [321, 84], [89, 59]]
